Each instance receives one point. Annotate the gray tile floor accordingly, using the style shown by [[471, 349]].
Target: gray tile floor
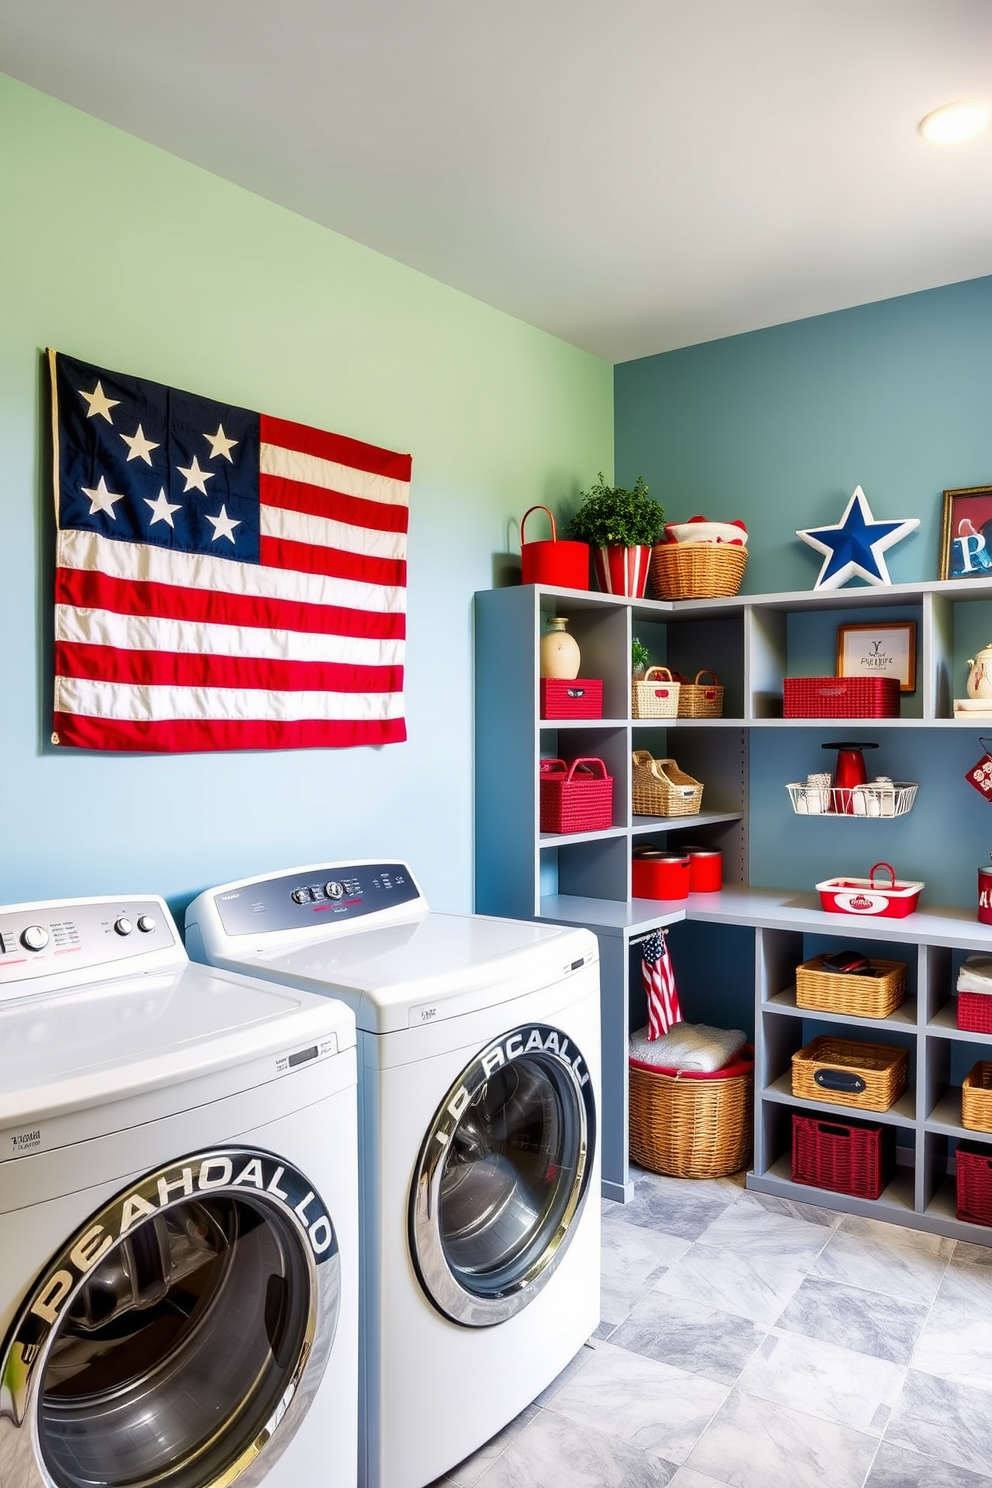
[[753, 1342]]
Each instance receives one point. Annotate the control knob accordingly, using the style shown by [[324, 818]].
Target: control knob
[[301, 896], [146, 923], [334, 890], [123, 925], [34, 938]]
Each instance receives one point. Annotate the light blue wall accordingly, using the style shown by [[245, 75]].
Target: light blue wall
[[122, 255], [778, 427]]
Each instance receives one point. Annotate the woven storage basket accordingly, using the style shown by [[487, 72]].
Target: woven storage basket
[[976, 1098], [851, 1157], [689, 1125], [660, 788], [704, 700], [658, 699], [576, 798], [859, 996], [974, 1183], [696, 570], [832, 1069]]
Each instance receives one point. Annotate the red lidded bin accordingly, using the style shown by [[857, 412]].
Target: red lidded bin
[[660, 875], [705, 869]]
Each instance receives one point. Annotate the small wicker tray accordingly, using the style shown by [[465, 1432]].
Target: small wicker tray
[[976, 1098], [657, 695], [701, 700], [872, 996], [697, 570], [660, 788], [843, 1072], [690, 1126]]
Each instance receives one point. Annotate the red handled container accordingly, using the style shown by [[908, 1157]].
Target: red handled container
[[660, 875], [705, 869], [562, 563], [871, 896]]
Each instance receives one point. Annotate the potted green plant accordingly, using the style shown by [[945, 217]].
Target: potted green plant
[[621, 526]]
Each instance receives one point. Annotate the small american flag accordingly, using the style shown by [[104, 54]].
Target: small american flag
[[224, 580], [659, 984]]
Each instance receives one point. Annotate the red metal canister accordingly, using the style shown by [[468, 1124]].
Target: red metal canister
[[660, 875], [705, 869]]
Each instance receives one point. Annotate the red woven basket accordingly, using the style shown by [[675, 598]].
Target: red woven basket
[[851, 1157], [576, 798], [974, 1012], [840, 697], [974, 1183]]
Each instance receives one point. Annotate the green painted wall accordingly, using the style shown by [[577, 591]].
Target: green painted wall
[[118, 253], [780, 425]]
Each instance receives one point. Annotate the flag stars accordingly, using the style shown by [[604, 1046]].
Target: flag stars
[[223, 525], [101, 500], [220, 445], [139, 448], [161, 508], [99, 402], [196, 479]]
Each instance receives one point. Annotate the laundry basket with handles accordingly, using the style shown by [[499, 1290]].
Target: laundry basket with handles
[[660, 788], [656, 695], [701, 699], [576, 797]]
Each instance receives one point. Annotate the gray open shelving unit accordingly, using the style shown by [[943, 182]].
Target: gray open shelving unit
[[585, 878]]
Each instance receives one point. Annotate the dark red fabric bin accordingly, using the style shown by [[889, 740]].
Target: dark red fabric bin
[[575, 697], [851, 1157], [840, 697], [974, 1165]]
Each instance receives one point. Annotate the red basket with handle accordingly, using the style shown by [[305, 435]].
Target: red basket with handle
[[974, 1183], [558, 562], [868, 896], [576, 797], [851, 1157]]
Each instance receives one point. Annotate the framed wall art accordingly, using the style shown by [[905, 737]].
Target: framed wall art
[[966, 534], [885, 649]]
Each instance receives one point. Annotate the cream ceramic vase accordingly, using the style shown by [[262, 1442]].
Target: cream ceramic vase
[[560, 655], [980, 676]]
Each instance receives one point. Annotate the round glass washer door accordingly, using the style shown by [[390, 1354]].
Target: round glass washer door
[[181, 1330], [503, 1175]]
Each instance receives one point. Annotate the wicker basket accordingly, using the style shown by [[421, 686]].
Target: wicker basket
[[698, 700], [575, 798], [660, 788], [696, 570], [974, 1183], [653, 699], [843, 1072], [689, 1125], [874, 996], [976, 1098], [851, 1157]]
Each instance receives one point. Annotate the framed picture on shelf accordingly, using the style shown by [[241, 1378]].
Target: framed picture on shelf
[[885, 649], [966, 534]]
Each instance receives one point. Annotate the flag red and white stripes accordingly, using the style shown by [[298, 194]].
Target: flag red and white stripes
[[658, 979], [238, 590]]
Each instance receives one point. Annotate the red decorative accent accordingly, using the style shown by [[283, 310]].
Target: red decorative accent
[[840, 697], [852, 1157], [622, 570], [575, 697]]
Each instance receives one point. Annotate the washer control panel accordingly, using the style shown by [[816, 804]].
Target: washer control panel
[[316, 897], [43, 939]]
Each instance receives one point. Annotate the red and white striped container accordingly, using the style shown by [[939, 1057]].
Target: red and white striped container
[[622, 570]]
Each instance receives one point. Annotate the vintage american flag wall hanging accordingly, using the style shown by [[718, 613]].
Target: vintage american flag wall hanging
[[224, 580]]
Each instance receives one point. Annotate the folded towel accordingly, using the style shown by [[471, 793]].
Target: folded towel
[[975, 974], [688, 1046]]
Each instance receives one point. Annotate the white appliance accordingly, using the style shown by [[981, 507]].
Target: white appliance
[[479, 1165], [178, 1213]]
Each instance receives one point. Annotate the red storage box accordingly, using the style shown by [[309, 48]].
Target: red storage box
[[851, 1157], [576, 797], [840, 697], [974, 1183], [574, 697], [871, 896], [975, 1012]]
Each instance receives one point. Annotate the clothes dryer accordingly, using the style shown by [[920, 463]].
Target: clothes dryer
[[479, 1062], [178, 1213]]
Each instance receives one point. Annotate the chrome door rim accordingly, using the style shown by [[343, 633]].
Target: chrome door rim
[[554, 1050], [248, 1174]]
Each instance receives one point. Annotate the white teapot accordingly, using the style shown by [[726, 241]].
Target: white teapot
[[980, 676]]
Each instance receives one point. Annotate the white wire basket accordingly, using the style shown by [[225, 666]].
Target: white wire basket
[[876, 799]]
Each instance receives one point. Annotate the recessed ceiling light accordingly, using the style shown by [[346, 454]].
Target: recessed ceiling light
[[954, 123]]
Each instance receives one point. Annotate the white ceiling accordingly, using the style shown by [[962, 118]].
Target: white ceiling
[[631, 175]]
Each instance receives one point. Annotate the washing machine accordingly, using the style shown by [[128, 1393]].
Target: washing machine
[[178, 1213], [479, 1079]]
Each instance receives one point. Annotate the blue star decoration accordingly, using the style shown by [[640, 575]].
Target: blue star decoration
[[854, 547]]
